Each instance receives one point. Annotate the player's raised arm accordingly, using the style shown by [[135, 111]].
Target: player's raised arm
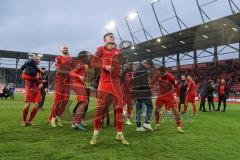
[[175, 83]]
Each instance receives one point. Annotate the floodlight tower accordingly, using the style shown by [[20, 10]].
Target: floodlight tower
[[132, 16], [111, 26]]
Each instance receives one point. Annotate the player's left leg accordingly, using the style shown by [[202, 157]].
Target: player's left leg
[[30, 97], [118, 103], [78, 115], [176, 115], [25, 113], [82, 98], [66, 94], [33, 113], [106, 114], [56, 105], [102, 98], [119, 120], [62, 106], [37, 100], [88, 91], [194, 106]]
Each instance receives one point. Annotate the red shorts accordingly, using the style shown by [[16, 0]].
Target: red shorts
[[80, 92], [61, 88], [167, 100], [190, 97], [34, 95], [109, 92]]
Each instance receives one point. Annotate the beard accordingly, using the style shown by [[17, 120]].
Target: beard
[[111, 43], [65, 52]]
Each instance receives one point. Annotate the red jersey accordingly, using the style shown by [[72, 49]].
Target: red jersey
[[63, 63], [105, 57], [222, 90], [80, 69], [167, 84], [191, 88]]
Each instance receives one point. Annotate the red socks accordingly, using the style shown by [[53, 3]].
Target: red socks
[[119, 118], [61, 108], [194, 108], [33, 114], [24, 114]]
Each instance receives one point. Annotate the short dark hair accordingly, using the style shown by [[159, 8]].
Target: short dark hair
[[84, 56], [108, 34], [43, 68]]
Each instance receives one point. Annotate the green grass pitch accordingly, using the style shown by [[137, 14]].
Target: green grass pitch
[[209, 136]]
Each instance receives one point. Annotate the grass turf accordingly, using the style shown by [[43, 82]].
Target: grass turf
[[209, 136]]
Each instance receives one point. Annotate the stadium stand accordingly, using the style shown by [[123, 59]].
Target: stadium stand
[[229, 70], [10, 74]]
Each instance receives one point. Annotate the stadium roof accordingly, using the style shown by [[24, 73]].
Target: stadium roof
[[219, 32], [24, 55]]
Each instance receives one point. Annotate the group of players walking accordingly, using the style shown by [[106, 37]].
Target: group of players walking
[[118, 85]]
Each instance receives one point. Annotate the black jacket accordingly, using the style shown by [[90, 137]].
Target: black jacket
[[212, 89], [44, 79], [205, 90], [141, 88], [183, 88], [31, 68]]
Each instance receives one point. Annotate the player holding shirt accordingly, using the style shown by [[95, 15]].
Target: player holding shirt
[[78, 76], [32, 95], [191, 94], [126, 85], [61, 86], [167, 83], [107, 58]]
